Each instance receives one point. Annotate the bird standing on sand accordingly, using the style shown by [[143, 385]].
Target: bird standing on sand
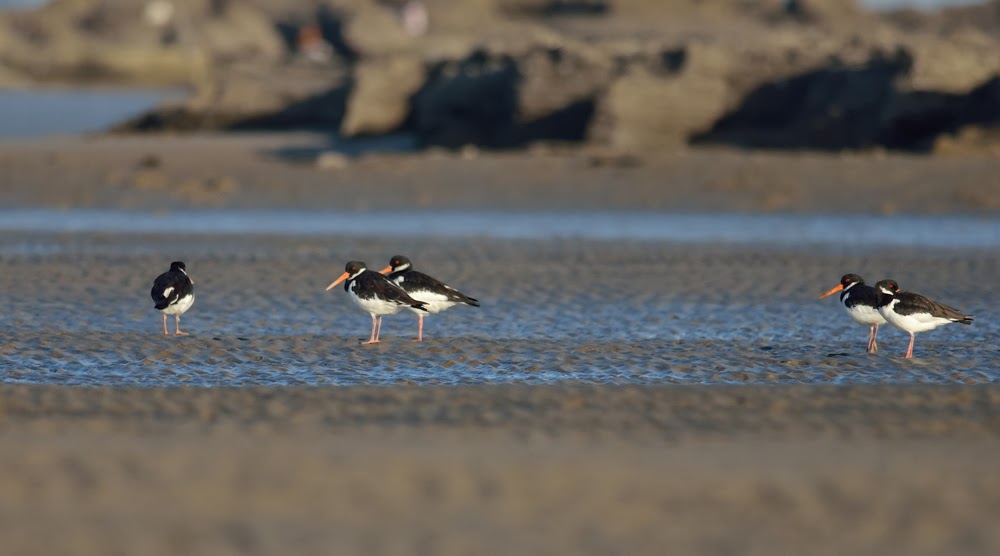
[[861, 303], [375, 294], [914, 313], [173, 294], [437, 295]]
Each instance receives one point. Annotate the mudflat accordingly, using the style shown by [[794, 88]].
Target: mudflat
[[78, 312], [302, 170], [620, 396], [500, 469]]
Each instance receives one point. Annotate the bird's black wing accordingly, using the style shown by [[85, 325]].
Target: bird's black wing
[[166, 289], [383, 288], [414, 281], [912, 303], [862, 295]]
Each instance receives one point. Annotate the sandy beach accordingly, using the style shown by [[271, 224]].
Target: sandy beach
[[711, 406], [253, 171], [500, 470]]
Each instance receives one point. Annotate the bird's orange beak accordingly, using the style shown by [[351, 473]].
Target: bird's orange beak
[[337, 281], [386, 270], [833, 291]]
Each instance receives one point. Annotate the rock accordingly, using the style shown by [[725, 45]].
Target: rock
[[980, 16], [647, 110], [631, 76], [471, 101], [232, 30], [970, 141], [952, 64], [835, 107], [826, 12], [553, 78], [373, 30], [332, 160], [380, 98], [547, 8], [115, 41]]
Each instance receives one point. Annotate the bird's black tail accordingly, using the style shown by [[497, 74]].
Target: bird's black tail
[[966, 319], [471, 301], [162, 304], [418, 305]]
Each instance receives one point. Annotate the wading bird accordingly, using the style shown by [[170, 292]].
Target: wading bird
[[173, 294], [436, 295], [913, 312], [375, 294], [861, 303]]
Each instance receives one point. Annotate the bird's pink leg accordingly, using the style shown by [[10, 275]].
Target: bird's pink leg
[[874, 338], [378, 330], [420, 328], [177, 326], [909, 350], [165, 324], [371, 339]]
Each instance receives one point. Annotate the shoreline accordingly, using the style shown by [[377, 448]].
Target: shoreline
[[565, 468], [659, 413], [309, 170]]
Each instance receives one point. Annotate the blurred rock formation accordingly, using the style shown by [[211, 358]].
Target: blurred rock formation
[[638, 76]]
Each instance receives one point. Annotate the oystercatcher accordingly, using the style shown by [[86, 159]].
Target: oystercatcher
[[861, 303], [914, 313], [437, 295], [173, 294], [375, 294]]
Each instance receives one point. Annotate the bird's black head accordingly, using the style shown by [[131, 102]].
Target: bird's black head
[[178, 265], [399, 262], [353, 268], [351, 271], [848, 279], [889, 287]]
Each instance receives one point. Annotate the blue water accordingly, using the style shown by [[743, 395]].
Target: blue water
[[605, 297], [775, 229], [37, 113]]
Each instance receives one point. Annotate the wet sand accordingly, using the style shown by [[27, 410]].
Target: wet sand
[[500, 470], [218, 457], [279, 171], [748, 421], [78, 313]]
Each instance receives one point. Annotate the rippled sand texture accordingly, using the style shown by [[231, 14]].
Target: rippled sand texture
[[864, 470], [546, 466], [78, 312]]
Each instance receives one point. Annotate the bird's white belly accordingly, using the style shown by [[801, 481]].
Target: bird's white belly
[[917, 322], [435, 302], [376, 306], [182, 305], [863, 314]]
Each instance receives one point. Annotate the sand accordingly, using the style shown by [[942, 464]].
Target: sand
[[279, 171], [771, 433], [500, 470]]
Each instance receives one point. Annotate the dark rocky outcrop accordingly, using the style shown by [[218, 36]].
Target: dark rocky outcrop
[[637, 76], [853, 108]]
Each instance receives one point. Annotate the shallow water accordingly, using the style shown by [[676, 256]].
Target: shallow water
[[775, 229], [76, 310], [41, 112]]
